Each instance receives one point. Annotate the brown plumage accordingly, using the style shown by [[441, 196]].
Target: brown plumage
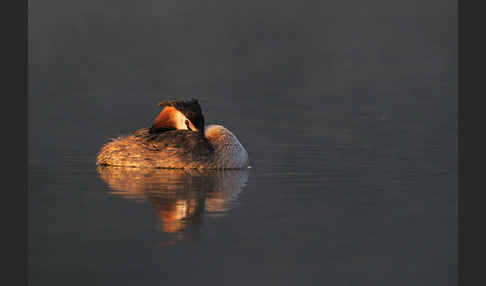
[[177, 139]]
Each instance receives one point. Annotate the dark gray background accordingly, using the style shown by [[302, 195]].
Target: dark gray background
[[347, 109]]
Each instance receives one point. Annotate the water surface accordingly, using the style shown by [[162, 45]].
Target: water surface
[[348, 116]]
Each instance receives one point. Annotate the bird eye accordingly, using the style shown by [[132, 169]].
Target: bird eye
[[187, 124]]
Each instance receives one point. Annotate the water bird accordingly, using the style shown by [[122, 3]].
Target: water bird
[[177, 139]]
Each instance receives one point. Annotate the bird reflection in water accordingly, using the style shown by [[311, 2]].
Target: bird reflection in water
[[180, 197]]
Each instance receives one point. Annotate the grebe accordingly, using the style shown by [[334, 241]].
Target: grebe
[[177, 139]]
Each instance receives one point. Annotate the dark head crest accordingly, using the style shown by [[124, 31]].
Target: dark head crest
[[190, 108]]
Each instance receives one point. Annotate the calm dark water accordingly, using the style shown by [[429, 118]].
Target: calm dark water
[[348, 112]]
